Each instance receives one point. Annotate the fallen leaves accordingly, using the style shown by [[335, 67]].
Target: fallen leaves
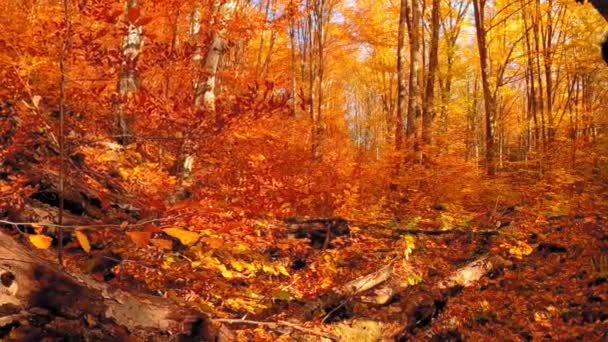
[[163, 244], [186, 237], [518, 250], [83, 240], [40, 241], [140, 239]]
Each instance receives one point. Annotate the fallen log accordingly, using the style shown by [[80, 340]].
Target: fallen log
[[425, 302], [366, 282], [419, 303], [87, 193], [35, 211], [37, 300], [320, 231], [398, 231]]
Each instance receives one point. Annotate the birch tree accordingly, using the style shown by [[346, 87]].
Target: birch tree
[[128, 79], [204, 95], [428, 112]]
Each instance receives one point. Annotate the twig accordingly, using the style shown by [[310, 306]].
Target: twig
[[494, 210], [417, 231], [62, 57], [275, 325], [73, 227]]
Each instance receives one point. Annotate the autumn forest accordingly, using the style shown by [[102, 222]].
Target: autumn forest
[[306, 170]]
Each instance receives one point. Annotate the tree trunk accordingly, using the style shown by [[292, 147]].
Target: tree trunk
[[204, 95], [414, 100], [318, 129], [547, 57], [532, 108], [401, 80], [194, 36], [452, 25], [73, 306], [128, 81], [292, 40], [489, 100], [429, 104]]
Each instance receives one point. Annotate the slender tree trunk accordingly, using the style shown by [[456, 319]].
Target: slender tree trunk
[[312, 75], [174, 44], [258, 63], [128, 81], [452, 24], [318, 18], [185, 157], [197, 55], [547, 56], [273, 37], [401, 80], [537, 52], [429, 103], [205, 90], [489, 100], [292, 39], [530, 80], [62, 162], [414, 99]]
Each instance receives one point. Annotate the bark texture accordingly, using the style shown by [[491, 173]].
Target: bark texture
[[44, 301]]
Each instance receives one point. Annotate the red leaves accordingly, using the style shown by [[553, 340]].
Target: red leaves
[[113, 17], [133, 14], [144, 21]]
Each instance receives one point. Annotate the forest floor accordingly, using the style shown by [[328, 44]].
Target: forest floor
[[251, 272]]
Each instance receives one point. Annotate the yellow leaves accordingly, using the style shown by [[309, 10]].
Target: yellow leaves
[[282, 270], [257, 157], [186, 237], [83, 241], [214, 263], [413, 279], [40, 241], [326, 283], [168, 261], [5, 188], [485, 305], [108, 156], [410, 244], [239, 266], [275, 269], [446, 222], [244, 304], [27, 64], [360, 330], [225, 272], [240, 136], [519, 250]]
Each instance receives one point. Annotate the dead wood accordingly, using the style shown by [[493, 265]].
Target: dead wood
[[366, 282], [278, 326], [425, 302], [88, 193], [398, 231], [320, 230], [41, 300], [35, 211]]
